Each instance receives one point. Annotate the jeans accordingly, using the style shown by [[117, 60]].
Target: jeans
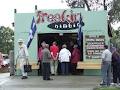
[[106, 72], [65, 68]]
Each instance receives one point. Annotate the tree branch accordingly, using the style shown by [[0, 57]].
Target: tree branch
[[88, 7], [104, 5]]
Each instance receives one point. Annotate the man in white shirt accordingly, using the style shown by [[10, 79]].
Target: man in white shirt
[[22, 57], [106, 66], [64, 58]]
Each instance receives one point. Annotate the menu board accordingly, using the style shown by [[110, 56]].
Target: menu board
[[94, 46]]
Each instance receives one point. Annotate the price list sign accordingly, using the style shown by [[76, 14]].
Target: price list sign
[[94, 46]]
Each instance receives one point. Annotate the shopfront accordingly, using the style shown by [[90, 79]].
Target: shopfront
[[62, 25]]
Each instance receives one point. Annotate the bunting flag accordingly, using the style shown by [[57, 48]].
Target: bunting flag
[[31, 32], [80, 33]]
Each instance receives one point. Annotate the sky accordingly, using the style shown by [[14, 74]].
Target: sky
[[27, 6], [24, 6]]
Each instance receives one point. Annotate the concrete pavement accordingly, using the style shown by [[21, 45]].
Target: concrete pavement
[[4, 77], [59, 83]]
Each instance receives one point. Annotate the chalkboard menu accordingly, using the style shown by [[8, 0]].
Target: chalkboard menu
[[94, 46]]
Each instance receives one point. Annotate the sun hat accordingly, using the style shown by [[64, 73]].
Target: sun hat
[[20, 40]]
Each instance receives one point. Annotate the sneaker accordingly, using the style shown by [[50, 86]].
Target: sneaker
[[113, 84], [49, 79], [24, 77], [103, 84], [119, 84], [53, 74]]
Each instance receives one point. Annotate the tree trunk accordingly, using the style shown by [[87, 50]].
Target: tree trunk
[[86, 2], [104, 5]]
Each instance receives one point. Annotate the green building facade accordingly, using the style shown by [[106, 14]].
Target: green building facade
[[95, 31]]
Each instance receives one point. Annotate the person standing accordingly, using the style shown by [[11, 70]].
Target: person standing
[[116, 67], [1, 60], [64, 58], [46, 56], [12, 68], [40, 58], [22, 57], [106, 67], [54, 61], [74, 59]]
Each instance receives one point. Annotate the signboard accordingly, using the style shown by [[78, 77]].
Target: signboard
[[64, 20], [94, 46]]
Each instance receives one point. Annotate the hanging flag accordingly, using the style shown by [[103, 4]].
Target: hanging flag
[[31, 32], [80, 33]]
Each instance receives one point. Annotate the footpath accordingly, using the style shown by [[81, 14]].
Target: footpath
[[58, 83]]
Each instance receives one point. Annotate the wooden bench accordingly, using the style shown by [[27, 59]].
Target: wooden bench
[[88, 65], [80, 65]]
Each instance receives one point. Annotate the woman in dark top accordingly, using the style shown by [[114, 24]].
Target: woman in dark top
[[74, 59], [116, 67]]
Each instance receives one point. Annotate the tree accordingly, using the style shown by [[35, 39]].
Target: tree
[[111, 6], [6, 39], [115, 40], [94, 5], [114, 13]]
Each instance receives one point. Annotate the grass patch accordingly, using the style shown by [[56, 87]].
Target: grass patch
[[108, 88]]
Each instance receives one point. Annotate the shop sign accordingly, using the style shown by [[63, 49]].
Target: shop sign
[[67, 20]]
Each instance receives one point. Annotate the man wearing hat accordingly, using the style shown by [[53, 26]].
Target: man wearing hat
[[22, 57]]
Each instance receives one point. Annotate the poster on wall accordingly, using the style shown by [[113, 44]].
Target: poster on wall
[[94, 46]]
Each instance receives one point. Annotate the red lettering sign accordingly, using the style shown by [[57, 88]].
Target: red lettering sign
[[68, 16]]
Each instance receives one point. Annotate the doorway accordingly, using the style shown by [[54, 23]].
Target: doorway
[[59, 38], [63, 38]]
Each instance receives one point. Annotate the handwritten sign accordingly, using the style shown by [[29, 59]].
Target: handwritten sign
[[94, 46]]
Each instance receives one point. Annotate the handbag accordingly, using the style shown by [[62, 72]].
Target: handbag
[[27, 67]]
